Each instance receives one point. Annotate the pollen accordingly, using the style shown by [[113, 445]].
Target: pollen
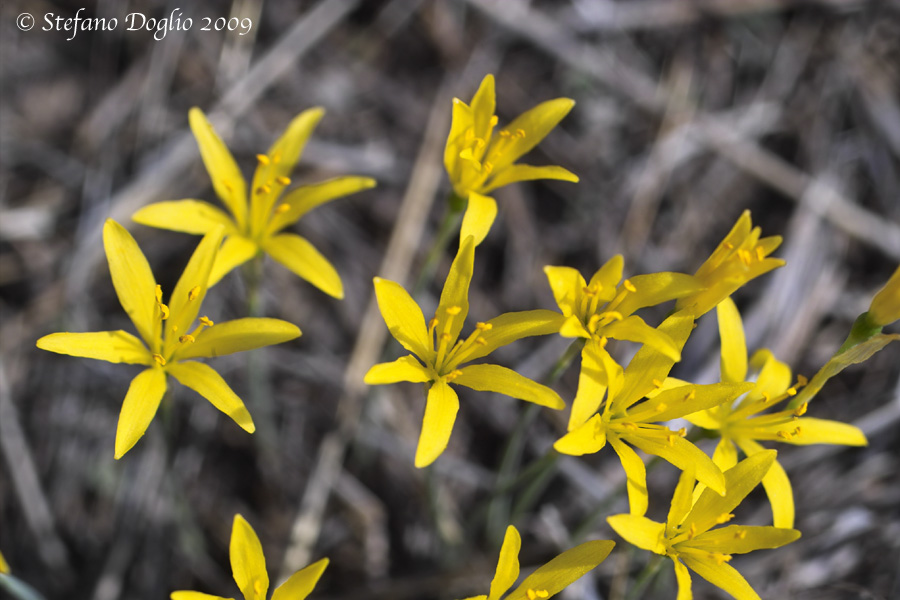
[[452, 375], [282, 180], [263, 159], [159, 360], [535, 594], [785, 435], [454, 310], [801, 410], [488, 167], [186, 339], [207, 321], [483, 326], [505, 134], [194, 292], [282, 208], [792, 391], [629, 286]]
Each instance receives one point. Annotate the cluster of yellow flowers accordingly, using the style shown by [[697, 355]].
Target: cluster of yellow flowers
[[630, 407]]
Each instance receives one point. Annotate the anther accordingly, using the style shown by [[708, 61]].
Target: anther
[[263, 159], [739, 535], [719, 557], [159, 360], [505, 134], [194, 292], [432, 323], [791, 391], [446, 337], [662, 407], [690, 396], [692, 531], [452, 375], [520, 133], [801, 381], [785, 435], [454, 310], [535, 594], [724, 518], [186, 339], [282, 208], [728, 246], [760, 253], [801, 410], [483, 326], [282, 180], [630, 426], [207, 321], [494, 120], [629, 286], [481, 342], [657, 383], [488, 167], [682, 432]]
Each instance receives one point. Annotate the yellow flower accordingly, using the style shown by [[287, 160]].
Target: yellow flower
[[625, 419], [257, 227], [440, 352], [547, 580], [740, 257], [479, 160], [248, 565], [688, 537], [4, 566], [885, 307], [168, 337], [742, 424]]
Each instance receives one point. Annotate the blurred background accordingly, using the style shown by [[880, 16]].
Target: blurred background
[[687, 114]]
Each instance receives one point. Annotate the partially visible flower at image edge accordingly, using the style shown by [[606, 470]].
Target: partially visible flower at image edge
[[167, 334], [248, 566], [548, 580], [257, 227], [479, 160]]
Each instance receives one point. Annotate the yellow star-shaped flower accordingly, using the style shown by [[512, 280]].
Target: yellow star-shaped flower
[[258, 226], [169, 337], [438, 352], [548, 580], [248, 565], [479, 160], [688, 537]]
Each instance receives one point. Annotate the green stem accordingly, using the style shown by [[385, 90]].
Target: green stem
[[863, 329], [645, 577], [450, 223]]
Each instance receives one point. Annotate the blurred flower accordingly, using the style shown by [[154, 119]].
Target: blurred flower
[[255, 228], [479, 160], [625, 419], [548, 580], [166, 331], [4, 566], [248, 565], [741, 425], [740, 257], [440, 352], [885, 307], [687, 536]]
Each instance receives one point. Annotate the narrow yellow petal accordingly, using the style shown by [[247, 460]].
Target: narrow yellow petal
[[588, 438], [684, 455], [303, 199], [462, 119], [455, 294], [238, 335], [563, 570], [725, 455], [722, 575], [189, 292], [773, 379], [656, 288], [513, 326], [885, 306], [572, 327], [684, 400], [112, 346], [740, 539], [494, 378], [483, 107], [223, 171], [4, 566], [437, 425], [777, 485], [567, 286], [636, 476], [405, 368], [188, 595], [507, 565], [403, 318], [141, 402], [478, 218], [808, 430], [516, 173], [682, 500], [235, 251], [633, 329], [592, 384], [301, 584], [639, 531], [607, 277], [204, 380], [133, 280], [534, 124], [734, 346], [298, 255], [248, 564], [187, 216], [683, 577]]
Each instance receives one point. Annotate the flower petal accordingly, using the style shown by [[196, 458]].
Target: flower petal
[[248, 564], [298, 255], [461, 120], [303, 199], [112, 346], [478, 218], [654, 289], [456, 289], [567, 286], [437, 425], [403, 318], [808, 430], [133, 280], [684, 400], [513, 326], [564, 569], [777, 485], [636, 476], [639, 531], [535, 123], [588, 438], [684, 455], [141, 402], [204, 380], [189, 292], [483, 107], [683, 577], [494, 378], [682, 500], [633, 329], [740, 539], [223, 171], [235, 251], [734, 346], [515, 173], [608, 277], [238, 335], [722, 575], [405, 368], [188, 595], [301, 584], [592, 384], [507, 565], [187, 216]]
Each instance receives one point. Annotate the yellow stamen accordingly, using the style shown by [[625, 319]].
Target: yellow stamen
[[207, 321], [194, 292], [494, 120], [801, 381], [263, 159], [164, 311], [629, 286], [483, 326], [535, 594], [520, 133], [662, 407], [728, 246], [791, 391], [657, 383], [801, 410], [760, 253], [692, 531], [629, 425], [739, 535], [719, 557], [282, 208], [452, 375], [785, 435], [186, 339], [159, 360], [283, 180], [690, 396], [724, 518], [453, 310]]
